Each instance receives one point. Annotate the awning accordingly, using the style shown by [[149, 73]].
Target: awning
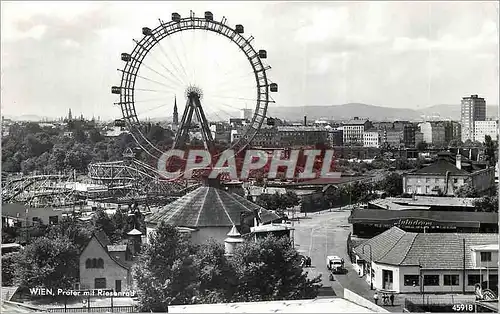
[[421, 219]]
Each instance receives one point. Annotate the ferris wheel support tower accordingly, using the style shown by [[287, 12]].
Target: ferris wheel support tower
[[193, 105]]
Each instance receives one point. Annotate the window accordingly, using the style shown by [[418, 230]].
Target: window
[[88, 263], [451, 280], [485, 256], [455, 181], [431, 280], [100, 283], [412, 280], [100, 263], [427, 180], [473, 279]]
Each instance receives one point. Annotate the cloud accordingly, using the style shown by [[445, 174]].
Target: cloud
[[387, 53]]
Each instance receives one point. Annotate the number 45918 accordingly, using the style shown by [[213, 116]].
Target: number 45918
[[463, 307]]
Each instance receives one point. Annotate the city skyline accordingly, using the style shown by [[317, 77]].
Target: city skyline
[[57, 56]]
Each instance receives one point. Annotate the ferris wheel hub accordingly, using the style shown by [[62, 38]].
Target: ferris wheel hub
[[194, 92]]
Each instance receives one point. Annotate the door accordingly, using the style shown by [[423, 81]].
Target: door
[[387, 279], [118, 285]]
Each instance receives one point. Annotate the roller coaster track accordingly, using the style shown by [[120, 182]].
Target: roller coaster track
[[26, 187], [134, 179]]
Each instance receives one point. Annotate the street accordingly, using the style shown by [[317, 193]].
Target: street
[[325, 233]]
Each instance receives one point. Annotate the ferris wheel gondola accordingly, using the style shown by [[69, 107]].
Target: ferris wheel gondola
[[177, 73]]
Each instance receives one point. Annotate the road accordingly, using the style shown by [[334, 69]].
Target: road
[[325, 233]]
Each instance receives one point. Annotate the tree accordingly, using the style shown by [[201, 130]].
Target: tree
[[8, 268], [490, 150], [392, 184], [79, 233], [466, 190], [165, 272], [216, 275], [487, 204], [103, 222], [270, 270], [47, 262]]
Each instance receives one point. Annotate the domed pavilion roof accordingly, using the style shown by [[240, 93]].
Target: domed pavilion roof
[[208, 207]]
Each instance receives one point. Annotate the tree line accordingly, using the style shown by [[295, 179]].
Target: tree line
[[173, 271]]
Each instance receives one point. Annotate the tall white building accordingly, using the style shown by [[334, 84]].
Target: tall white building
[[433, 133], [483, 128], [371, 138], [354, 129], [473, 109]]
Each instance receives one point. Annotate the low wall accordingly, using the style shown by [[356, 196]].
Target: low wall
[[353, 297]]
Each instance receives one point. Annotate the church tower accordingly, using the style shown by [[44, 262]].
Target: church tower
[[70, 116], [176, 113]]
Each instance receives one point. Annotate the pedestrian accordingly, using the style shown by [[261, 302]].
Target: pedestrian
[[392, 299], [375, 297]]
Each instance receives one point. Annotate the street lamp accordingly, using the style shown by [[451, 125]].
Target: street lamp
[[371, 258]]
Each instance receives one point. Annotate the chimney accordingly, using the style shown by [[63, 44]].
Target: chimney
[[305, 120], [459, 161]]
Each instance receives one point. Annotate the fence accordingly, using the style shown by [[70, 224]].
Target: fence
[[97, 309]]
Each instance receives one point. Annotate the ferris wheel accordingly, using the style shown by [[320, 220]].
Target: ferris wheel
[[217, 67]]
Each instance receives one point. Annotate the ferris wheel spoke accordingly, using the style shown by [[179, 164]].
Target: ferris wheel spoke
[[153, 91], [156, 82], [162, 50], [230, 89], [174, 49], [175, 81], [150, 100], [228, 97], [151, 109]]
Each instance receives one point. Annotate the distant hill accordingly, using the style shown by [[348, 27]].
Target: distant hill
[[453, 111], [374, 113], [343, 112], [332, 112]]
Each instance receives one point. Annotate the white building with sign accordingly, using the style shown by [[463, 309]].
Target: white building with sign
[[444, 262]]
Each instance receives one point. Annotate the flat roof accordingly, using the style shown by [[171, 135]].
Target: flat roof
[[435, 201], [331, 305], [385, 203]]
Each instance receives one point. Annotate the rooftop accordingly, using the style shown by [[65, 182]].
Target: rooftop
[[302, 128], [208, 207], [434, 201], [356, 122], [429, 250], [386, 203], [332, 180], [469, 219], [332, 305]]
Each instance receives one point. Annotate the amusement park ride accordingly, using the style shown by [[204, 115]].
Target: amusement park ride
[[146, 179], [131, 180]]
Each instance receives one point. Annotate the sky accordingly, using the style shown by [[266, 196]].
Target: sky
[[61, 55]]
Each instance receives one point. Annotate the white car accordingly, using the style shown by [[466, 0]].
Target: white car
[[335, 264]]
